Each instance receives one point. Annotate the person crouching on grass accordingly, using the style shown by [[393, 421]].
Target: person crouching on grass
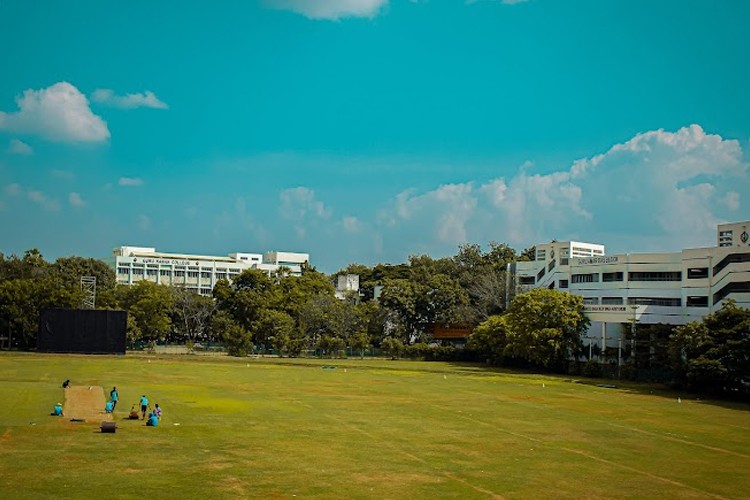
[[153, 420]]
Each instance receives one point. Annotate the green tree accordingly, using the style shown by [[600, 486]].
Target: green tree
[[489, 340], [393, 347], [360, 342], [23, 299], [714, 354], [273, 324], [191, 315], [237, 340], [545, 327], [151, 306], [71, 269]]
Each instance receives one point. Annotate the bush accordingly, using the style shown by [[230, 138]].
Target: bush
[[592, 369]]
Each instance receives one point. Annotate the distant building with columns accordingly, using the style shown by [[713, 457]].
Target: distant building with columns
[[198, 273]]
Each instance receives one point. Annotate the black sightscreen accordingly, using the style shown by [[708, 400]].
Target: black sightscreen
[[87, 331]]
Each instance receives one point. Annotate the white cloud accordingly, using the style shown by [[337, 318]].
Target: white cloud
[[444, 212], [300, 206], [330, 9], [351, 224], [658, 191], [43, 200], [130, 181], [300, 202], [59, 113], [19, 147], [732, 201], [144, 222], [75, 200], [128, 101], [13, 189], [62, 174]]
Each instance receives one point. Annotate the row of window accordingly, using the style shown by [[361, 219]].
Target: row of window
[[178, 274], [692, 301], [632, 276]]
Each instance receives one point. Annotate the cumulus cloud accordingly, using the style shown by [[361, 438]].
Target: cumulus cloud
[[75, 200], [351, 224], [13, 189], [445, 212], [18, 147], [300, 206], [330, 9], [145, 99], [130, 181], [658, 191], [43, 200], [58, 113]]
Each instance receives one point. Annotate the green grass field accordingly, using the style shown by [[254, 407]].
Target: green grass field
[[280, 428]]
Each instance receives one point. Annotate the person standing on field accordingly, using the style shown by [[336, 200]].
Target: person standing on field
[[114, 396], [144, 406]]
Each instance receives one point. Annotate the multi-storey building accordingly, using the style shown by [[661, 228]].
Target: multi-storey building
[[620, 291], [198, 273]]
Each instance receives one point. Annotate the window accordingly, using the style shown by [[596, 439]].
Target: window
[[585, 278], [564, 261], [151, 272], [540, 274], [731, 259], [695, 273], [590, 301], [541, 254], [526, 280], [610, 277], [180, 274], [654, 301], [138, 271], [123, 270], [736, 287], [205, 274], [221, 276], [655, 276], [164, 272], [192, 274], [611, 301], [551, 265], [563, 284], [697, 301]]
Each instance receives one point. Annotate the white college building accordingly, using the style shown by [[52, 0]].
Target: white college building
[[198, 273], [620, 291]]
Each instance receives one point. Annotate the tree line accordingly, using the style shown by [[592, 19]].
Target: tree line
[[394, 311]]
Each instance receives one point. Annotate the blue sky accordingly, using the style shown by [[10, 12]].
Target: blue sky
[[369, 130]]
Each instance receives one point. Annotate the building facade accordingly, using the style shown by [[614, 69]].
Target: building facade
[[621, 291], [198, 273]]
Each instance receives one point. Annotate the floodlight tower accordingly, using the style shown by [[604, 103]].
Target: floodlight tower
[[88, 287]]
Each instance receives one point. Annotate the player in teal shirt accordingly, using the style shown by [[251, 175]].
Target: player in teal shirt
[[58, 411], [153, 420], [144, 406]]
